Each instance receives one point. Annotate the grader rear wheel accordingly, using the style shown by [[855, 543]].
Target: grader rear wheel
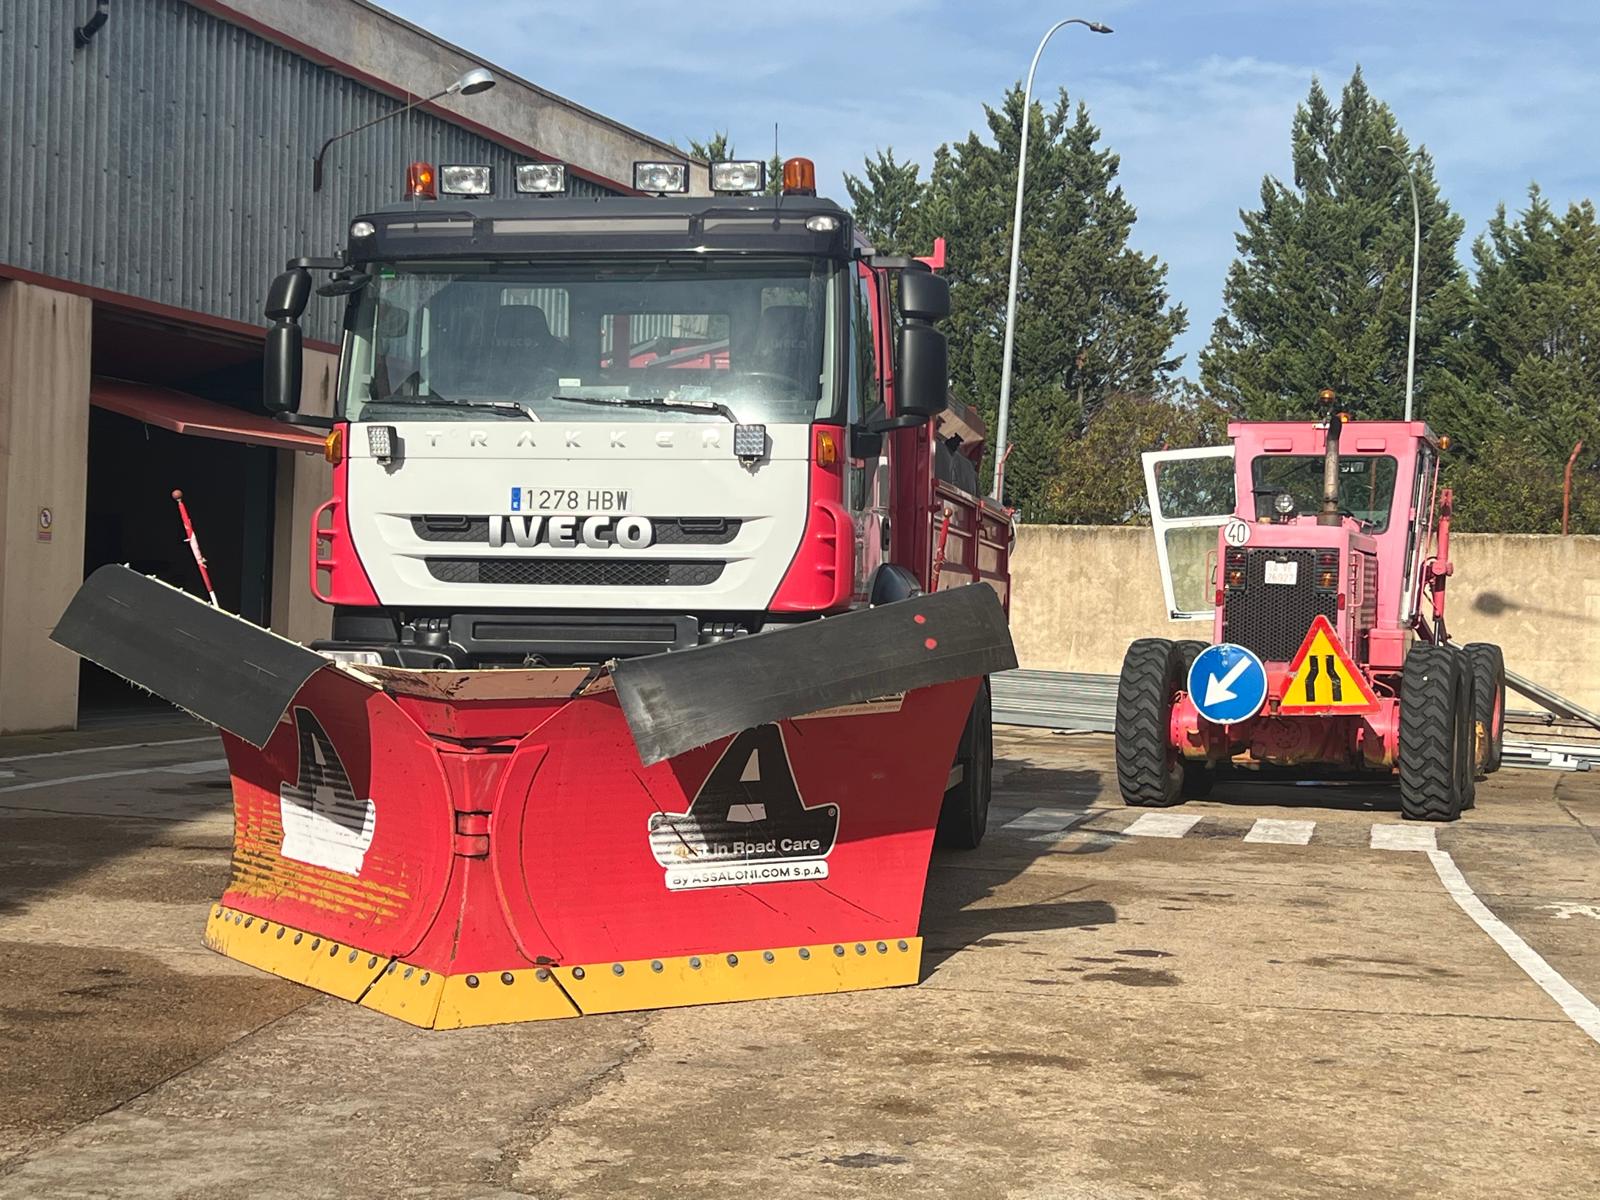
[[1488, 703]]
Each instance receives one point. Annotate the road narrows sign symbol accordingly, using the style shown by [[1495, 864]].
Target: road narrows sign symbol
[[1323, 679], [1227, 683]]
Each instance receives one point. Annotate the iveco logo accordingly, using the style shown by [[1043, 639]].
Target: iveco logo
[[569, 532]]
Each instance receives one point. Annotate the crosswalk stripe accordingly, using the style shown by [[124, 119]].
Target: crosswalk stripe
[[1404, 837], [1162, 825], [1046, 820], [1281, 833]]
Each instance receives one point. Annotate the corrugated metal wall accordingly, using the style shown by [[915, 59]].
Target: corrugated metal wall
[[171, 159]]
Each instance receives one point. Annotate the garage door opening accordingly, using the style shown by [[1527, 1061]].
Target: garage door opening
[[131, 518]]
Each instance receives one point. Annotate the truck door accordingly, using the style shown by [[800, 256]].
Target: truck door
[[1191, 493]]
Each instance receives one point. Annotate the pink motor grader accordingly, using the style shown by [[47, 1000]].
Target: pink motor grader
[[1319, 551]]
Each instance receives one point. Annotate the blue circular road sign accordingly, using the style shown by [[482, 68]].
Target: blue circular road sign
[[1227, 683]]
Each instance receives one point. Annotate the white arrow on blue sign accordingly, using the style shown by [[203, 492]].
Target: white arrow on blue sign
[[1227, 683]]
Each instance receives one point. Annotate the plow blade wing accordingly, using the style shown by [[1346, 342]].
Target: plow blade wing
[[675, 702], [211, 663]]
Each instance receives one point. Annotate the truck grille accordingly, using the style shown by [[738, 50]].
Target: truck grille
[[669, 531], [1272, 619], [575, 572]]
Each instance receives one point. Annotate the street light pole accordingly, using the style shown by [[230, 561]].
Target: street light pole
[[1416, 262], [479, 79], [1016, 246]]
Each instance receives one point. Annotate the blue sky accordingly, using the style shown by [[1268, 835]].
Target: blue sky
[[1195, 96]]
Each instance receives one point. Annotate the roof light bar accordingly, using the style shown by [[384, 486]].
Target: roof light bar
[[462, 180], [738, 177], [541, 178], [661, 177]]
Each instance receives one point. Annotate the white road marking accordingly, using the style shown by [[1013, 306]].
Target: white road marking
[[1404, 837], [1046, 820], [1162, 825], [1578, 1007], [1563, 910], [1281, 833], [103, 749], [194, 768], [7, 774]]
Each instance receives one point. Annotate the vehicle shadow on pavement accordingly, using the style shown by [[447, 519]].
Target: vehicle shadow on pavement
[[956, 908], [1337, 795]]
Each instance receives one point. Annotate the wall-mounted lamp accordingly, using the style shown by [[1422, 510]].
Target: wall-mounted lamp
[[479, 79]]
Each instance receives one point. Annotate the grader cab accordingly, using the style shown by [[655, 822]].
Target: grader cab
[[1319, 552]]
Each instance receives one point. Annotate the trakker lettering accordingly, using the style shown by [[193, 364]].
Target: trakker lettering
[[568, 532]]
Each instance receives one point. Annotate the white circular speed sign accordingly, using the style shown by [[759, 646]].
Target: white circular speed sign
[[1236, 532]]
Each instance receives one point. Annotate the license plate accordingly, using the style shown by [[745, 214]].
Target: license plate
[[1283, 572], [569, 500]]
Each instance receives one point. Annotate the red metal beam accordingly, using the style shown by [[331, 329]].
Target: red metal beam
[[183, 413]]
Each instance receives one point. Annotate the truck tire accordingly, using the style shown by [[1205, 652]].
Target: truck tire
[[1489, 703], [1434, 753], [1149, 771], [1466, 708], [964, 816]]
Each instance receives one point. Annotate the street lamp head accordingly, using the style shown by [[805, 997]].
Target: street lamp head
[[1098, 27], [479, 79]]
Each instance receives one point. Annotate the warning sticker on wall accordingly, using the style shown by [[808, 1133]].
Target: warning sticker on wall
[[1323, 679], [747, 824]]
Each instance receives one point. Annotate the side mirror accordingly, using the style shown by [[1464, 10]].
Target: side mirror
[[286, 301], [924, 296], [922, 389], [280, 385]]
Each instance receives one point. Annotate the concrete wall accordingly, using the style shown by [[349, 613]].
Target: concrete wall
[[1082, 593], [44, 432], [305, 481]]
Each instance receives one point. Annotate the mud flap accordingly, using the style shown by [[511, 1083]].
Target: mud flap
[[219, 667], [675, 702]]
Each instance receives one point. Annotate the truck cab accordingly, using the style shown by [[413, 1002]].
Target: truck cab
[[570, 430]]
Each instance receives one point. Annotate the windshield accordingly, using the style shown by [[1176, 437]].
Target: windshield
[[1366, 486], [662, 339]]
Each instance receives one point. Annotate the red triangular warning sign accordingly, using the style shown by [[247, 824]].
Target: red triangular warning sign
[[1324, 679]]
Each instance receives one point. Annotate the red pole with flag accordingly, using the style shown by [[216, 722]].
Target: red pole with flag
[[194, 547]]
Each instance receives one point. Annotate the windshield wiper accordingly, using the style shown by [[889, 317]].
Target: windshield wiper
[[661, 402], [435, 401]]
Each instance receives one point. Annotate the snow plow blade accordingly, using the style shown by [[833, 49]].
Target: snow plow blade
[[459, 848], [675, 702], [219, 667]]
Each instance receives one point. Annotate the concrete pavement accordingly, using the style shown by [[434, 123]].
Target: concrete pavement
[[1194, 1008]]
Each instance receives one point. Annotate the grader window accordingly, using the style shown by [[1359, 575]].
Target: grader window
[[1366, 487]]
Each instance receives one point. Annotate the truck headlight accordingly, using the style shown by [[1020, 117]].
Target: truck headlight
[[661, 177], [1284, 503], [466, 180], [541, 179], [739, 177]]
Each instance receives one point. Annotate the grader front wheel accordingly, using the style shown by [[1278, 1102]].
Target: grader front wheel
[[1436, 743], [1149, 771]]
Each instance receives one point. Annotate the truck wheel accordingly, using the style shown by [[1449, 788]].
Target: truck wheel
[[1466, 708], [965, 814], [1489, 703], [1434, 753], [1149, 771]]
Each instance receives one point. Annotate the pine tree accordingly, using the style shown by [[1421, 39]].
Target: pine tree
[[716, 148], [1532, 367], [885, 200], [1093, 316], [1320, 294]]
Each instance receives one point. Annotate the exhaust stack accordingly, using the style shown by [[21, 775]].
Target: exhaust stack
[[1330, 462]]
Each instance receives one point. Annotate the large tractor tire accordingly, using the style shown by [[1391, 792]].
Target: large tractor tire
[[1435, 734], [965, 814], [1488, 704], [1149, 772]]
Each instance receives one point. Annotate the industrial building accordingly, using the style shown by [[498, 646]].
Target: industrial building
[[158, 159]]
